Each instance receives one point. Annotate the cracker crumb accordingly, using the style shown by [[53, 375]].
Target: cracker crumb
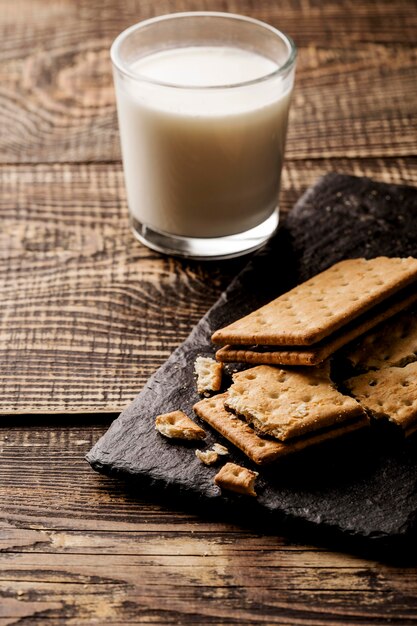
[[208, 457], [211, 455], [209, 375], [222, 450], [177, 425]]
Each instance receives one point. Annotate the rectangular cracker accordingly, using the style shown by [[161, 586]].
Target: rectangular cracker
[[236, 478], [262, 451], [391, 344], [295, 355], [286, 403], [209, 374], [323, 304], [389, 393]]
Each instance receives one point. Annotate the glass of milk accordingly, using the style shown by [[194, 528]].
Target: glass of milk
[[203, 102]]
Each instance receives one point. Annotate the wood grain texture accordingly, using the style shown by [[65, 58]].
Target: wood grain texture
[[75, 549], [87, 313], [355, 92]]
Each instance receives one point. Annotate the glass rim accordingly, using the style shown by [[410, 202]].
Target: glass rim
[[124, 69]]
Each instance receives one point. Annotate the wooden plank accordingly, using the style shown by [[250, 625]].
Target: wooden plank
[[195, 588], [87, 313], [78, 548], [355, 103], [311, 21], [184, 569], [120, 603], [355, 93]]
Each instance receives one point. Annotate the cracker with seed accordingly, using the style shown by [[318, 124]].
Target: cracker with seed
[[391, 344], [313, 355], [259, 450], [209, 374], [320, 306], [235, 478], [177, 425], [289, 403], [389, 393]]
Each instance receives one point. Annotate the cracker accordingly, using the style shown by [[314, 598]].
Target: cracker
[[177, 425], [211, 456], [391, 344], [208, 457], [212, 411], [262, 451], [209, 374], [235, 478], [221, 450], [323, 304], [389, 393], [278, 355], [267, 355], [289, 403]]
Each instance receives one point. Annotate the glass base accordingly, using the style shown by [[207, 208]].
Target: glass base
[[207, 248]]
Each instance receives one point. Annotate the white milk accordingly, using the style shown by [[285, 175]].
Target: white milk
[[202, 162]]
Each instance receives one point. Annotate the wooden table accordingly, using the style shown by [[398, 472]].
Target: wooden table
[[87, 314]]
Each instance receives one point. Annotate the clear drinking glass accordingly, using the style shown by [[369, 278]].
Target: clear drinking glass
[[203, 102]]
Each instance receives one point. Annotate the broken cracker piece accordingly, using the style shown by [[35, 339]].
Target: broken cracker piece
[[389, 393], [393, 343], [209, 374], [177, 425], [222, 450], [208, 457], [235, 478], [211, 456], [257, 449], [286, 403]]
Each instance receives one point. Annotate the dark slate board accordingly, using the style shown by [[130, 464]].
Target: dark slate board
[[363, 487]]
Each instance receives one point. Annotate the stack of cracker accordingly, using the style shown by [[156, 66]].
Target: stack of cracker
[[313, 320], [269, 411]]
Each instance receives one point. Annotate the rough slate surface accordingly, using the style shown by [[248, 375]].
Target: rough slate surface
[[364, 487]]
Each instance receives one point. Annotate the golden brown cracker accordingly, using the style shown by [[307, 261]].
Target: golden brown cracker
[[259, 450], [393, 343], [235, 478], [267, 355], [303, 355], [212, 411], [318, 307], [286, 403], [389, 393]]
